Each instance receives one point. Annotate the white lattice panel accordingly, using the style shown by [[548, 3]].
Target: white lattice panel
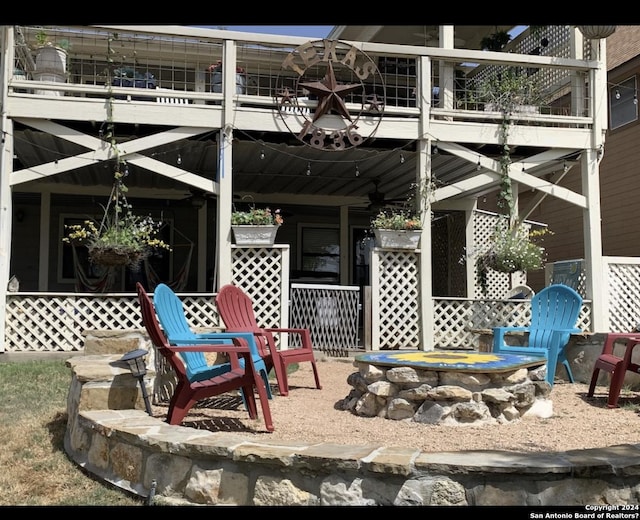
[[456, 319], [258, 271], [624, 305], [44, 322], [394, 290], [330, 312], [498, 284]]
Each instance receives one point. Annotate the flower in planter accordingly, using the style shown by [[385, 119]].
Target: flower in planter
[[217, 67], [257, 217], [396, 220], [513, 248], [122, 238]]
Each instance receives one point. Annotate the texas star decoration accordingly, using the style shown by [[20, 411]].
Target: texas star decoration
[[331, 94]]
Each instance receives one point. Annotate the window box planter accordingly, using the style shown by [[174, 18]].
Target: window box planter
[[397, 238], [248, 235]]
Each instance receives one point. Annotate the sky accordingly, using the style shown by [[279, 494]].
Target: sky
[[309, 31]]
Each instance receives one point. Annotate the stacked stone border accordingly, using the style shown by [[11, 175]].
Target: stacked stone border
[[180, 465]]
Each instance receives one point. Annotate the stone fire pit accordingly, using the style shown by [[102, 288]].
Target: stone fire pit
[[452, 388]]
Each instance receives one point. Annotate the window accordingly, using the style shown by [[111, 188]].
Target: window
[[623, 103], [320, 252]]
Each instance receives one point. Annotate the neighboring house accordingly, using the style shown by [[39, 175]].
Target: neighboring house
[[206, 122], [619, 180]]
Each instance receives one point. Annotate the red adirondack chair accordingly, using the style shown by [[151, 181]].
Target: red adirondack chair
[[187, 392], [236, 310]]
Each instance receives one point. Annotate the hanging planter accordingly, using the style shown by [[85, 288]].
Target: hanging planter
[[596, 32], [115, 257], [121, 238], [513, 248]]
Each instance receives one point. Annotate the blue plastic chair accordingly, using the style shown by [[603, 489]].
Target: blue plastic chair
[[170, 312], [554, 313]]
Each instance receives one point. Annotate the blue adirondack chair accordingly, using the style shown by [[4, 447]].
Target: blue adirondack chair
[[170, 312], [554, 313]]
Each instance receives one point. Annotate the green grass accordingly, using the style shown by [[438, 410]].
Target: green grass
[[35, 468]]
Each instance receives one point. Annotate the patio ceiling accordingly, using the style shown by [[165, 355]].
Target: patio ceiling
[[265, 170]]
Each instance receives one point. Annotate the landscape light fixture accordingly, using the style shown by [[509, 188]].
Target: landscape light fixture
[[136, 363]]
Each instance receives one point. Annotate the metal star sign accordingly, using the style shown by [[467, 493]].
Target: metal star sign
[[287, 96], [375, 103], [331, 95], [330, 127]]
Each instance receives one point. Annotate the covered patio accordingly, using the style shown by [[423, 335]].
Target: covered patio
[[207, 149]]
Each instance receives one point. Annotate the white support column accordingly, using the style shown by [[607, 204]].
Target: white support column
[[592, 231], [469, 239], [423, 182], [225, 170], [426, 282], [45, 242], [225, 207], [6, 168], [446, 70], [590, 169]]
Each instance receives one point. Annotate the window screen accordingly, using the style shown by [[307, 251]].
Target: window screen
[[623, 103], [321, 250]]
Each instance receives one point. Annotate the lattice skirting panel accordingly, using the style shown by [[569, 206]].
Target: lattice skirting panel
[[624, 286], [458, 320], [55, 322], [395, 302], [330, 312], [42, 322]]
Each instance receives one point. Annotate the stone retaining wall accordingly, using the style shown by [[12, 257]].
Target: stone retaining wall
[[181, 465]]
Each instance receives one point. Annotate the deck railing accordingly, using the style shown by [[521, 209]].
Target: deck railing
[[189, 68]]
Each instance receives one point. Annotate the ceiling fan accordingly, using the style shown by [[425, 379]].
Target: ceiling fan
[[196, 198], [377, 199]]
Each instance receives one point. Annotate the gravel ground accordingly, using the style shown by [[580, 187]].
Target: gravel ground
[[311, 415]]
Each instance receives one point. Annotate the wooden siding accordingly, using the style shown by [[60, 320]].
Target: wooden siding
[[622, 45]]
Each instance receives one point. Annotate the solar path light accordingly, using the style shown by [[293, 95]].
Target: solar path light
[[136, 363]]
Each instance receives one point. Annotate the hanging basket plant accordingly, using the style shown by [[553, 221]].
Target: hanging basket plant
[[121, 238], [513, 246]]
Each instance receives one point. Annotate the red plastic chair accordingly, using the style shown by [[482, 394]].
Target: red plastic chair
[[187, 392], [615, 365], [236, 310]]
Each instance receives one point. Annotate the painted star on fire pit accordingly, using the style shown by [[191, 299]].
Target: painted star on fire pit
[[331, 95]]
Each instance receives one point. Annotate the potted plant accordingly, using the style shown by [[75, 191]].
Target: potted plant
[[510, 90], [495, 41], [121, 238], [216, 78], [513, 247], [50, 62], [397, 229], [256, 226]]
